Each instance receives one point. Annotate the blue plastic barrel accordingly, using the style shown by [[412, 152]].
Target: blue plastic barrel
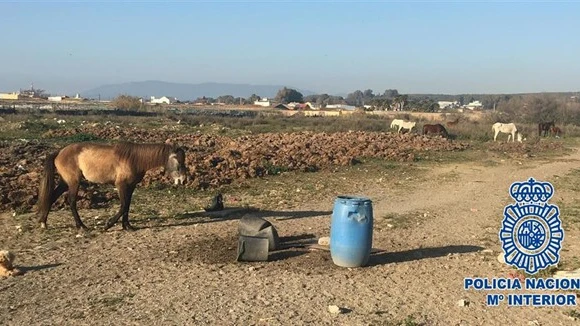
[[351, 231]]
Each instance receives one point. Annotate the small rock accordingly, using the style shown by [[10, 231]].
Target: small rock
[[487, 251], [334, 309], [473, 210], [324, 241], [252, 268], [463, 303], [501, 258], [534, 323], [390, 226]]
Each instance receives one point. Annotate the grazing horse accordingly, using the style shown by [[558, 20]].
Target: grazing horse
[[406, 125], [123, 165], [396, 123], [555, 131], [453, 123], [545, 128], [506, 128], [437, 129], [520, 137]]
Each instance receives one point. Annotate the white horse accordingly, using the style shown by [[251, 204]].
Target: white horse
[[406, 125], [506, 128], [396, 123], [519, 136]]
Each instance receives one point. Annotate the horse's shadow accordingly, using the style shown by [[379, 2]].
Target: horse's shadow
[[26, 269], [232, 213], [418, 254]]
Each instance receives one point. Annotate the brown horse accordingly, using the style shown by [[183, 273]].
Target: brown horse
[[123, 164], [437, 129], [545, 128], [556, 132]]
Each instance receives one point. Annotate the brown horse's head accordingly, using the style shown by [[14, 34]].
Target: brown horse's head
[[175, 167]]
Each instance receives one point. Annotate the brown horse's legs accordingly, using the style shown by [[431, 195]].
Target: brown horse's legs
[[125, 194], [72, 200], [126, 225], [113, 219], [60, 189]]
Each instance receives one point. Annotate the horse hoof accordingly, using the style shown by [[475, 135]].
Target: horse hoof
[[129, 227]]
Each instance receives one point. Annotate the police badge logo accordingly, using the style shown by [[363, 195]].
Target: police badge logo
[[531, 233]]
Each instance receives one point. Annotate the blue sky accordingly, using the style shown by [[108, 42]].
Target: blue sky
[[334, 47]]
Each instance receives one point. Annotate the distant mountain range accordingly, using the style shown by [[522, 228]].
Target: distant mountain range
[[184, 92]]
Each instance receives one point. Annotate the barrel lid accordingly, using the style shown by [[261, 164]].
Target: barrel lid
[[353, 200]]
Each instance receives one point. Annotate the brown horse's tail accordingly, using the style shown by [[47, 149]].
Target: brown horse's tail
[[46, 188]]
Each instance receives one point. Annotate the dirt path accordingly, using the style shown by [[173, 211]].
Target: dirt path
[[185, 274]]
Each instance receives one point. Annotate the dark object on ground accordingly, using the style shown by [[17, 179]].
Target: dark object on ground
[[217, 204], [251, 226], [252, 249], [257, 238]]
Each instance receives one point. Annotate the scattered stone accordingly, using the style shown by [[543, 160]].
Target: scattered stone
[[487, 251], [501, 258], [324, 241], [252, 268], [463, 303], [534, 323], [334, 309]]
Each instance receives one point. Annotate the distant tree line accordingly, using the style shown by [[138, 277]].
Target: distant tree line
[[532, 108]]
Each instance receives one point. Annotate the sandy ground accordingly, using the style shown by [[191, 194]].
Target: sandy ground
[[183, 271]]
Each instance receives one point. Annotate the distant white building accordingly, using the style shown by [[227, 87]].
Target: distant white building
[[163, 100], [263, 102], [341, 107], [448, 104], [474, 105], [56, 98]]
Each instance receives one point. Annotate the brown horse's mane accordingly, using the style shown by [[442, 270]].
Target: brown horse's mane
[[143, 157]]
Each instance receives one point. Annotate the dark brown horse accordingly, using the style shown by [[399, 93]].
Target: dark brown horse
[[122, 164], [437, 129], [545, 128]]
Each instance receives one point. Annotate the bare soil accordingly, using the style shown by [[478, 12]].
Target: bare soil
[[433, 226]]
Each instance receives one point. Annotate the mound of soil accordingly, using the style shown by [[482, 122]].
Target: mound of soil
[[214, 160]]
